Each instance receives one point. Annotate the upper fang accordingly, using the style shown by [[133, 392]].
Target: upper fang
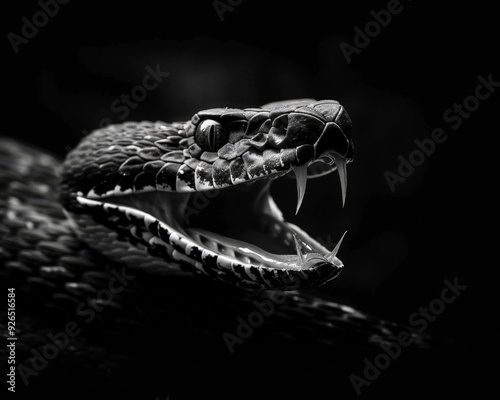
[[301, 177], [342, 170]]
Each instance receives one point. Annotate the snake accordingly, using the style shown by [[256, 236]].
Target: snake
[[167, 234]]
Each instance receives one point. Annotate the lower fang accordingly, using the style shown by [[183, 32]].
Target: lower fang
[[301, 260], [331, 256]]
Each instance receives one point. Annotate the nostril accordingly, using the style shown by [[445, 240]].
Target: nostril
[[278, 131], [333, 139]]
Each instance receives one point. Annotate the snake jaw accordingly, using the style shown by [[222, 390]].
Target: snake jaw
[[150, 174]]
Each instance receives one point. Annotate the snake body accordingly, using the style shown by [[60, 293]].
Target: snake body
[[108, 251]]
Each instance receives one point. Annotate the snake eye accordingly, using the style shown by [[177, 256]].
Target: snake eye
[[211, 135]]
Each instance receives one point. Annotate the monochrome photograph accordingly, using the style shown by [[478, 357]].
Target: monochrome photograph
[[238, 199]]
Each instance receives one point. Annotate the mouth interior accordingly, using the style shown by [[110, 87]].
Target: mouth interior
[[246, 216]]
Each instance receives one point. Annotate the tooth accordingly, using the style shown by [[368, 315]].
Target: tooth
[[330, 257], [342, 170], [301, 177], [301, 258]]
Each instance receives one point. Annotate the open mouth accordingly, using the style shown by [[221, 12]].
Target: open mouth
[[209, 206], [243, 222]]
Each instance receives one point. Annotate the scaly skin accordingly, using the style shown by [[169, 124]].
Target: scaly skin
[[126, 319]]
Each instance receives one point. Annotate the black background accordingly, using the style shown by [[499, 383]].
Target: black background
[[401, 244]]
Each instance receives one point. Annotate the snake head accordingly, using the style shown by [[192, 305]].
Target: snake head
[[195, 197]]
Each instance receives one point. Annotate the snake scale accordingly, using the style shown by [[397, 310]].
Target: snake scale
[[158, 241]]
